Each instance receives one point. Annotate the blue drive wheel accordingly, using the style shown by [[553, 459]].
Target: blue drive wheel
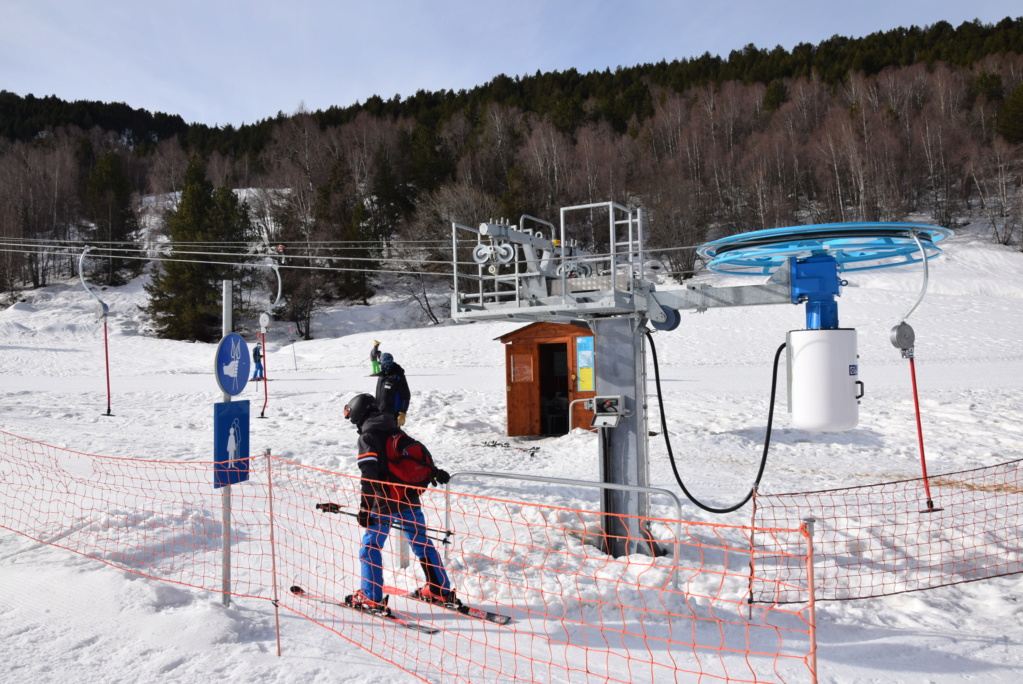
[[855, 246], [672, 322]]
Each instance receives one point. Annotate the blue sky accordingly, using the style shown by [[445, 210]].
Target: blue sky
[[232, 61]]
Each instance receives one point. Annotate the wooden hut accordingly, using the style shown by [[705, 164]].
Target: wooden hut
[[547, 367]]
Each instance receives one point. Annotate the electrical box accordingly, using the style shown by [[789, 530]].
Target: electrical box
[[824, 386], [607, 411]]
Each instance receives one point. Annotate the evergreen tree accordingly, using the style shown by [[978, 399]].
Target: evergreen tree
[[986, 85], [354, 283], [1009, 120], [185, 295], [430, 166], [389, 199], [106, 204], [775, 95]]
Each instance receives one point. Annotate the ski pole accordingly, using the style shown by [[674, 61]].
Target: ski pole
[[329, 507]]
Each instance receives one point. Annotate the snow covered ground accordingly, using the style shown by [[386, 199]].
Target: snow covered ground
[[63, 616]]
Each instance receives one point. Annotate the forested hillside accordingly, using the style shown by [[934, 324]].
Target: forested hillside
[[918, 120]]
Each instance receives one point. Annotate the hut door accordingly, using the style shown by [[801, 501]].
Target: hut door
[[523, 407], [554, 389]]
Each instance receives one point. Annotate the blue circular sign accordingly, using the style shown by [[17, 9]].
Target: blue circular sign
[[232, 364]]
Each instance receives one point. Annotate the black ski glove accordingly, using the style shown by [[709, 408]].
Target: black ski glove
[[441, 477], [364, 518]]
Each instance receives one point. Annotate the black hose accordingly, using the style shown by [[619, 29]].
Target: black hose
[[667, 440]]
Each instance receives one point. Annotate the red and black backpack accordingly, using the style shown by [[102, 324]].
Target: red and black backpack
[[409, 462]]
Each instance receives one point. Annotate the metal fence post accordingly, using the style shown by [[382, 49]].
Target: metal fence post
[[227, 323]]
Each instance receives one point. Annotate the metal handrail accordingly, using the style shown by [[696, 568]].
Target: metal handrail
[[577, 483]]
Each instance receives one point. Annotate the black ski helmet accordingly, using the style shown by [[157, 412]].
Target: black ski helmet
[[360, 407]]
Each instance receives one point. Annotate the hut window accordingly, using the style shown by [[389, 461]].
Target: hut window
[[521, 368]]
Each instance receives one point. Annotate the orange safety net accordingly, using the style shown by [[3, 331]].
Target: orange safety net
[[577, 614], [160, 519], [882, 539]]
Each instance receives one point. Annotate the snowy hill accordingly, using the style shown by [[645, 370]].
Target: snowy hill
[[63, 616]]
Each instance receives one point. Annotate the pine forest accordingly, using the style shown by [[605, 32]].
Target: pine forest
[[924, 122]]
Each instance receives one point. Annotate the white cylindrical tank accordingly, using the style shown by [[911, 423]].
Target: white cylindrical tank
[[823, 370]]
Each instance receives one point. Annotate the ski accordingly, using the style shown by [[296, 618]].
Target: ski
[[494, 443], [444, 536], [460, 608], [395, 618]]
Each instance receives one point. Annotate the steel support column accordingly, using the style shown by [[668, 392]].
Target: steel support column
[[619, 360]]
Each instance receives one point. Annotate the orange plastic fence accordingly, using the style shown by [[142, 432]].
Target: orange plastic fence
[[577, 614], [155, 518], [882, 539]]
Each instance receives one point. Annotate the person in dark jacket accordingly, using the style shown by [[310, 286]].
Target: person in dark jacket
[[385, 503], [257, 360], [392, 389]]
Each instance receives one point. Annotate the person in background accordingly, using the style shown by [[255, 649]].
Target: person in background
[[392, 394], [384, 504], [374, 358], [257, 360]]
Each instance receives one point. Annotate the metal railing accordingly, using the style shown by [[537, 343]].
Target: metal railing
[[524, 273]]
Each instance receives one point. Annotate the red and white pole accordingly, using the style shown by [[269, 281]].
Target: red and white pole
[[920, 434]]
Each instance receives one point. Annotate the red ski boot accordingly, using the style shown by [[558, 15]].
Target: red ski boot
[[360, 601], [444, 598]]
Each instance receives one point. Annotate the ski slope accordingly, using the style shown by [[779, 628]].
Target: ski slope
[[64, 617]]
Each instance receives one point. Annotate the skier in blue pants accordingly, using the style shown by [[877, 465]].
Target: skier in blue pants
[[412, 522], [257, 360], [385, 503]]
